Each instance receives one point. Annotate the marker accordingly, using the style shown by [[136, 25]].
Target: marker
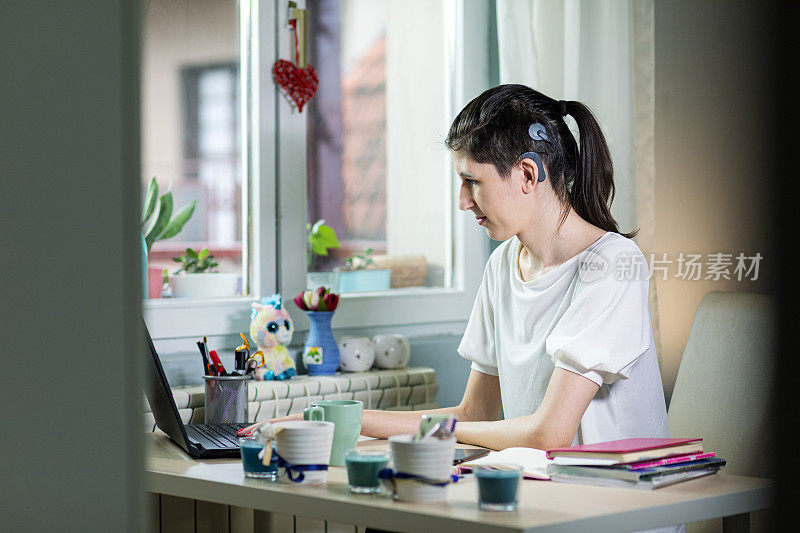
[[220, 370]]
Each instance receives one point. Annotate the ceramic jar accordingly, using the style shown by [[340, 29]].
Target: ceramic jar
[[356, 354], [392, 350]]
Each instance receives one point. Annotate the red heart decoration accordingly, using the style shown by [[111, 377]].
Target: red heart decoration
[[299, 84]]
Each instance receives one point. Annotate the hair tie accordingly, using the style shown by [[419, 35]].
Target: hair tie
[[563, 105]]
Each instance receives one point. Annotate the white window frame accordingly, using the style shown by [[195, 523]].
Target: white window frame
[[275, 170]]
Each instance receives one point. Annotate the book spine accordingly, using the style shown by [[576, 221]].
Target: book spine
[[700, 465], [669, 461]]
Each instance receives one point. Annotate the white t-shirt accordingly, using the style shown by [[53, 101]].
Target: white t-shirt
[[590, 315]]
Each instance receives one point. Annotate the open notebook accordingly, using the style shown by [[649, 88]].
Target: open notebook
[[534, 462]]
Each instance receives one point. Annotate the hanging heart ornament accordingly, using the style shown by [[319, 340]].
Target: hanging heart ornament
[[298, 84]]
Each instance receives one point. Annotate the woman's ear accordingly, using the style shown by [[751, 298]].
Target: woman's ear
[[530, 175]]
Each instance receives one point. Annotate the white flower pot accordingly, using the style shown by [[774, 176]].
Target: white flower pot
[[204, 285]]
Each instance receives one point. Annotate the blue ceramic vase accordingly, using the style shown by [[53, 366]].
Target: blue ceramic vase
[[321, 354]]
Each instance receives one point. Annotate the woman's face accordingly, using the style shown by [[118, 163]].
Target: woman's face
[[496, 202]]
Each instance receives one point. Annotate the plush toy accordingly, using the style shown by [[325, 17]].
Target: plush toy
[[271, 328]]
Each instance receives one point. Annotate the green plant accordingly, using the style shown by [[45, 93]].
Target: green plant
[[360, 261], [321, 238], [195, 262], [157, 222]]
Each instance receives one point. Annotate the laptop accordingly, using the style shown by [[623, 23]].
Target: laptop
[[198, 440]]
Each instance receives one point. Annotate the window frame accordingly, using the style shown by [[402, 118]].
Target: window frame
[[274, 162]]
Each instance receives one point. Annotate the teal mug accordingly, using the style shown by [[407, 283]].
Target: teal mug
[[346, 416]]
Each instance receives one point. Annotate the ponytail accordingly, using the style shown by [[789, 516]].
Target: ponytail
[[494, 128], [593, 188]]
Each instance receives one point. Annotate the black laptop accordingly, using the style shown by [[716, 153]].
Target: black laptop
[[199, 440]]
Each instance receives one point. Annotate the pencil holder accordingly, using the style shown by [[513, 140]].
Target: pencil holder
[[226, 399]]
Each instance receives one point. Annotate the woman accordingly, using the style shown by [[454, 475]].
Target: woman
[[559, 336]]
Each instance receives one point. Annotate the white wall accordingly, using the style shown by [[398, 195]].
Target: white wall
[[712, 150]]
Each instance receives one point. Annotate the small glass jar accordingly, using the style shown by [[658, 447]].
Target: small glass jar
[[498, 487], [363, 467], [252, 465]]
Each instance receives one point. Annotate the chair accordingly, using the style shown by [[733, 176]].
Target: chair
[[725, 390]]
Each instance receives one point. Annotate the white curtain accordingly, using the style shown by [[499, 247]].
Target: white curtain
[[599, 52]]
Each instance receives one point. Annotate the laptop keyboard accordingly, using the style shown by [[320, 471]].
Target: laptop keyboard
[[223, 435]]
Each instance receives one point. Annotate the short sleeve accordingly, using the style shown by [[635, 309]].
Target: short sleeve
[[605, 329], [477, 344]]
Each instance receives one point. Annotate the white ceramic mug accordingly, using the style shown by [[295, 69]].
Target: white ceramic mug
[[356, 354], [305, 442], [392, 350], [431, 458]]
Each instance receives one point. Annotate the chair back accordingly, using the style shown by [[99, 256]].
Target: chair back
[[725, 390]]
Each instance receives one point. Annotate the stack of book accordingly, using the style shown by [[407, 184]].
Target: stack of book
[[633, 463]]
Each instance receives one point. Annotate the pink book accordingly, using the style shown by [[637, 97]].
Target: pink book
[[631, 450], [671, 460]]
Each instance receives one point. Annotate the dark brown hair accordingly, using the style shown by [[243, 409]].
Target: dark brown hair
[[493, 128]]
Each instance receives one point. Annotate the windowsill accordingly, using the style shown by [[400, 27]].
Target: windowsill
[[171, 318], [183, 303]]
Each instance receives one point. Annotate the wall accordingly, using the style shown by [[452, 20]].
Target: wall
[[712, 186], [70, 284]]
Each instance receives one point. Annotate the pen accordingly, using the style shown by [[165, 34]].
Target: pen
[[206, 364]]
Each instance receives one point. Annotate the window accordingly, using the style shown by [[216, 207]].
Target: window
[[425, 85], [287, 168], [191, 125], [375, 143]]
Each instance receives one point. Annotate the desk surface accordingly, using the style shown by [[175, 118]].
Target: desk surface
[[543, 506]]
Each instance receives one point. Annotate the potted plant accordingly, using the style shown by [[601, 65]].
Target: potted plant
[[362, 274], [321, 238], [196, 277], [158, 223]]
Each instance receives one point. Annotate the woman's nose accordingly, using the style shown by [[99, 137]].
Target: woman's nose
[[465, 200]]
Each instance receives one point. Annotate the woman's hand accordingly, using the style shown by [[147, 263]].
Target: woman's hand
[[298, 416]]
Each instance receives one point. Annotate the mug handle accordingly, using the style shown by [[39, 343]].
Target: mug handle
[[315, 412]]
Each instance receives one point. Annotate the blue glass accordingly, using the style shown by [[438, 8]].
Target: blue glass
[[497, 487], [321, 336], [250, 448]]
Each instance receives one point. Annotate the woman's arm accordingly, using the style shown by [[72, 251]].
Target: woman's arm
[[481, 401], [553, 425]]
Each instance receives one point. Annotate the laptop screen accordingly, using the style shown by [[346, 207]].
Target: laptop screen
[[156, 387]]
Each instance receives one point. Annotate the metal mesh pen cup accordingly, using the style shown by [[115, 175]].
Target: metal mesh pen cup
[[226, 399]]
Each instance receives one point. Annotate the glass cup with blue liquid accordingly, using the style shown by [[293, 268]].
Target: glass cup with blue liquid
[[251, 447], [363, 467], [498, 486]]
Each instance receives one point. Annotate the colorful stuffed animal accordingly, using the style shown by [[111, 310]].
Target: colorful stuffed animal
[[271, 328]]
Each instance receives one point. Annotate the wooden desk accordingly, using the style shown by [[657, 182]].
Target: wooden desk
[[543, 506]]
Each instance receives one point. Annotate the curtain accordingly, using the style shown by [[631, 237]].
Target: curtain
[[601, 53]]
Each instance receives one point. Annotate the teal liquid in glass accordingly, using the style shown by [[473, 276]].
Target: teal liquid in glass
[[362, 471], [252, 464], [497, 486]]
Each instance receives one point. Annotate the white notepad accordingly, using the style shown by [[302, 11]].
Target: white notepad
[[534, 462]]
